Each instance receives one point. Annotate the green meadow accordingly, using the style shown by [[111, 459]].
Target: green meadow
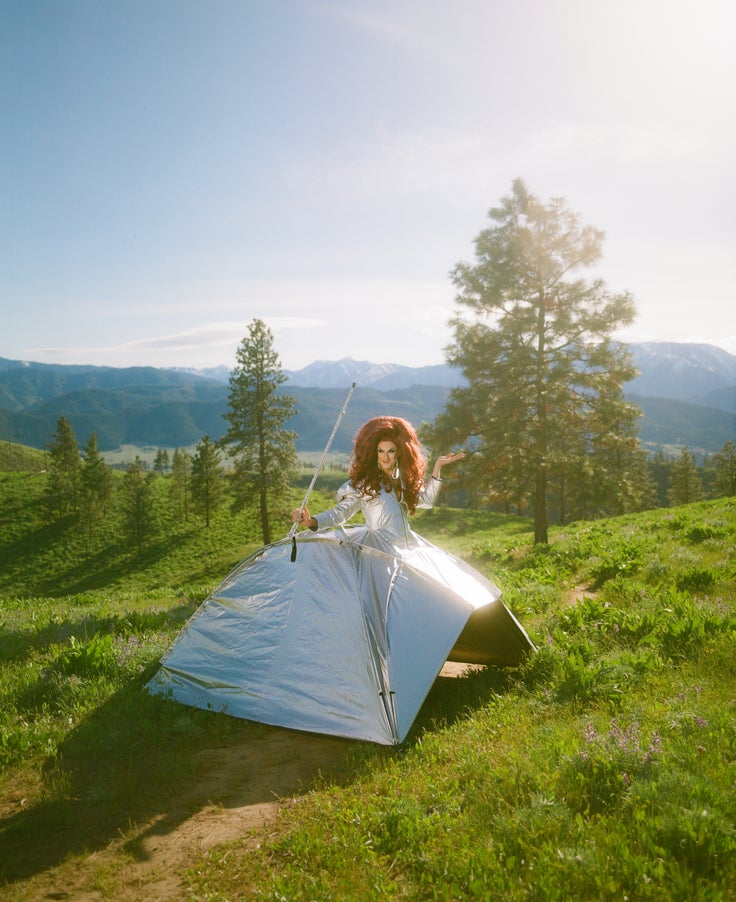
[[603, 768]]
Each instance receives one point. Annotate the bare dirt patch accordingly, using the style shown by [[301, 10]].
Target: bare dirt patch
[[576, 594], [242, 788]]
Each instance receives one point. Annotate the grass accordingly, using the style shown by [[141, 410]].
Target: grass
[[14, 457], [604, 768]]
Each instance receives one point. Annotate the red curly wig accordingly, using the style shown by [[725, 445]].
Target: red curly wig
[[365, 473]]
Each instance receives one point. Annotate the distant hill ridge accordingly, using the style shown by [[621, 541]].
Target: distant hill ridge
[[687, 393], [379, 376], [697, 373]]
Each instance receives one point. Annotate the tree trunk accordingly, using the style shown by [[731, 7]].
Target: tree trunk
[[563, 499], [540, 507]]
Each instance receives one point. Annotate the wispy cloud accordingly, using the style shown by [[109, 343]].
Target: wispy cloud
[[452, 166], [220, 334], [212, 334], [621, 141], [385, 28], [208, 335], [396, 164], [312, 319]]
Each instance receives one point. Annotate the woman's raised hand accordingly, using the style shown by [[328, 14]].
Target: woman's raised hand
[[446, 459], [450, 458]]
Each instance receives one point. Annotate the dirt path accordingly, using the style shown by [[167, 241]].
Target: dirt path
[[243, 790], [577, 593]]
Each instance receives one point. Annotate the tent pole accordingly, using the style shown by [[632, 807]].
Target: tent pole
[[295, 525]]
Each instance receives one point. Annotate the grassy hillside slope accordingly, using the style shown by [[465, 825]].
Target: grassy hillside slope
[[602, 769], [20, 458]]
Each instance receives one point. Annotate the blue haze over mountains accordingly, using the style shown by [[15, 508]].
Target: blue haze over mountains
[[687, 393]]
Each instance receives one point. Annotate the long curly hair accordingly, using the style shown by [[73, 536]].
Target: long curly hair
[[366, 475]]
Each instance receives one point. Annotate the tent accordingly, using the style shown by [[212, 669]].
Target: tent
[[346, 639]]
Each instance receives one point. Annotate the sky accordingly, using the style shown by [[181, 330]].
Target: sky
[[171, 170]]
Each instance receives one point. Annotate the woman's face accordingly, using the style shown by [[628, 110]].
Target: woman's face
[[387, 456]]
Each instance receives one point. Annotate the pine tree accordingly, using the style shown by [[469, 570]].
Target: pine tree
[[543, 374], [96, 485], [179, 490], [685, 485], [137, 503], [65, 467], [207, 480], [619, 476], [661, 469], [161, 461], [257, 437], [724, 464]]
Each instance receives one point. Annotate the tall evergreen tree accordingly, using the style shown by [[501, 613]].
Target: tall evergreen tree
[[65, 467], [179, 489], [207, 480], [161, 461], [620, 478], [685, 485], [95, 484], [661, 468], [724, 464], [543, 374], [137, 503], [257, 436]]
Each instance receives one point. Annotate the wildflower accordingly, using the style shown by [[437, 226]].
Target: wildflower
[[627, 740], [655, 747], [589, 733]]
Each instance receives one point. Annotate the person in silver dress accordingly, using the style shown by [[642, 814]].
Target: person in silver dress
[[387, 482]]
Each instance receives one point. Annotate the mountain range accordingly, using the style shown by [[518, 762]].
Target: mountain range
[[687, 393]]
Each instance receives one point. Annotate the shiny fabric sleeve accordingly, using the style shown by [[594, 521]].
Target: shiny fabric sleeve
[[348, 504], [429, 493]]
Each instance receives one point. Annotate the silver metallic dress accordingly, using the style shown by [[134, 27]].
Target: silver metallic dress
[[386, 517]]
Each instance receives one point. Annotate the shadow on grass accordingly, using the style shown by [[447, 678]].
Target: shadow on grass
[[140, 767], [55, 560], [454, 699], [104, 566]]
